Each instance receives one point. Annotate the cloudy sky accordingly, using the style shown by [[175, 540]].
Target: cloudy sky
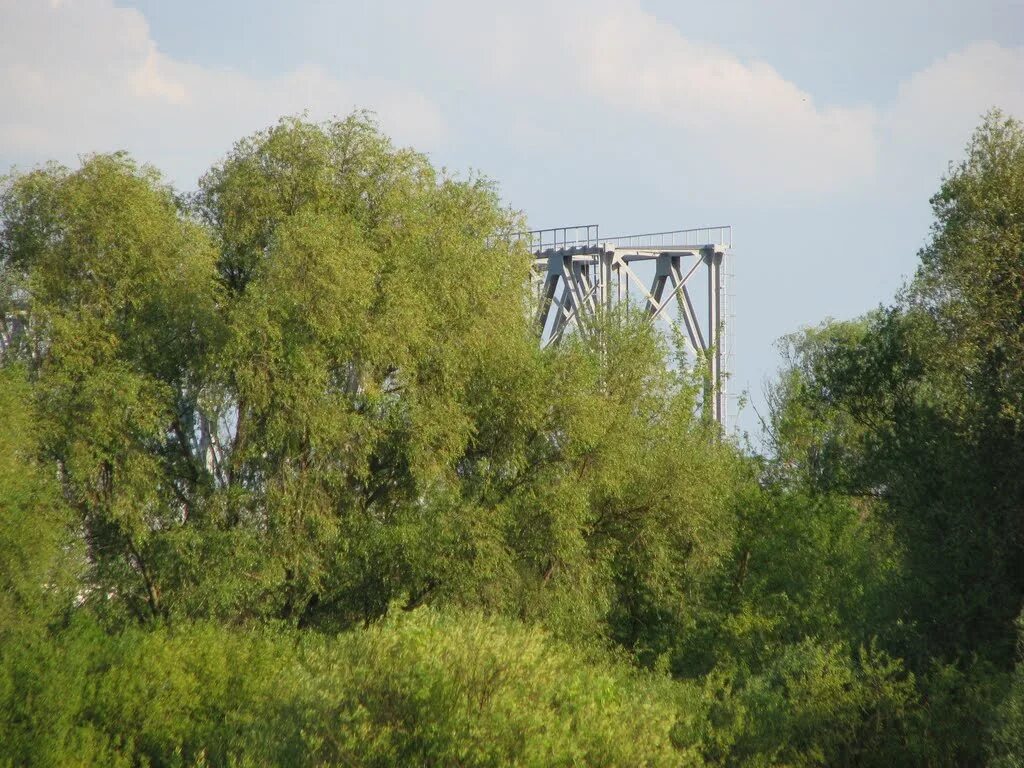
[[818, 130]]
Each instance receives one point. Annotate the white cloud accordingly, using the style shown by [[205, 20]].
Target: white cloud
[[82, 75], [760, 128], [736, 123], [739, 126], [938, 107]]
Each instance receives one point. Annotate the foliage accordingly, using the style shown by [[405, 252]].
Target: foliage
[[425, 689], [345, 407], [286, 478], [39, 558], [1007, 747], [915, 408]]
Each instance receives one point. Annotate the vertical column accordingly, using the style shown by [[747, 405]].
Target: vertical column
[[714, 394], [605, 258], [662, 273], [547, 292]]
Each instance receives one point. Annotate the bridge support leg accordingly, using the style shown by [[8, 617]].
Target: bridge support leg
[[605, 260], [714, 394]]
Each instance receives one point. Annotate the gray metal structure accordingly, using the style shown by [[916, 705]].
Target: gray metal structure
[[579, 273]]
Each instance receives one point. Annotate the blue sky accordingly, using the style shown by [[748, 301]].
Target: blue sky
[[817, 130]]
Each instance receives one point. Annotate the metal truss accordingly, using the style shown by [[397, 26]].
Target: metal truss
[[580, 274]]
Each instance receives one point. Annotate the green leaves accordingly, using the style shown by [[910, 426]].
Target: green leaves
[[301, 426], [426, 689], [321, 374], [40, 561]]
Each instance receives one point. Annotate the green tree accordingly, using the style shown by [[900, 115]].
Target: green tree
[[313, 389], [40, 560], [918, 409], [120, 302]]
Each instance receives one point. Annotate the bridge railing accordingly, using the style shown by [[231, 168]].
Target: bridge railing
[[588, 235], [721, 235], [537, 240]]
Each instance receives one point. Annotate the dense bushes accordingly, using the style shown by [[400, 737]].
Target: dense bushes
[[421, 689], [1007, 748], [434, 689]]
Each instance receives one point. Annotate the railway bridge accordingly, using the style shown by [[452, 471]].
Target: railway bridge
[[578, 272]]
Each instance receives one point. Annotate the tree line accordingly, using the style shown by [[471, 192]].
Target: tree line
[[285, 478]]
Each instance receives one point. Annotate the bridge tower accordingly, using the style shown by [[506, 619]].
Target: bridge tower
[[578, 272]]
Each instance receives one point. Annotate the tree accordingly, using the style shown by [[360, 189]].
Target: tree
[[121, 314], [313, 390], [40, 561], [921, 408]]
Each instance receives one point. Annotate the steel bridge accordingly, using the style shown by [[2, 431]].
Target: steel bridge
[[579, 273]]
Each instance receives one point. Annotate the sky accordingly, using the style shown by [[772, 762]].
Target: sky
[[817, 130]]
